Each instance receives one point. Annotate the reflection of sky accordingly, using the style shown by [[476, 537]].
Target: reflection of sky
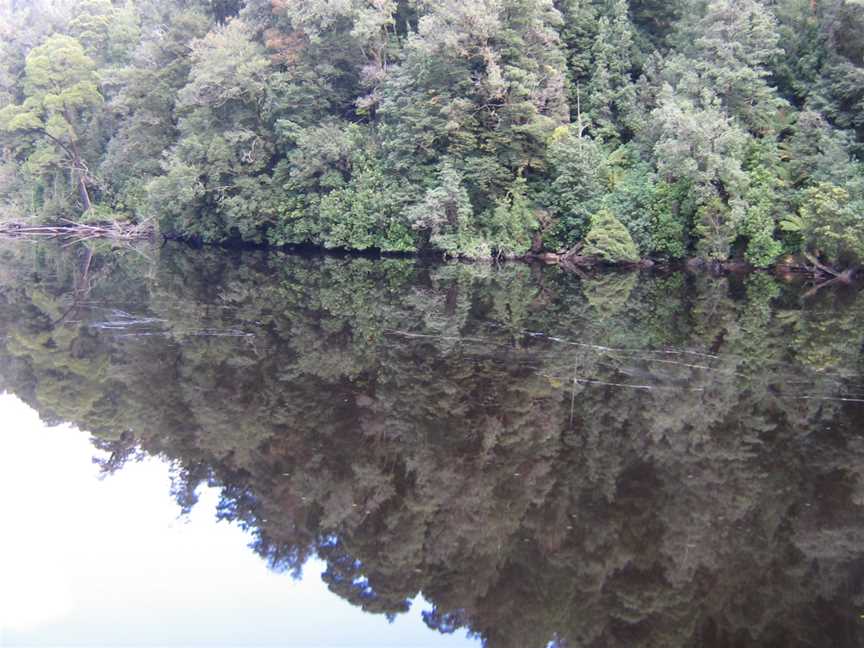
[[85, 561]]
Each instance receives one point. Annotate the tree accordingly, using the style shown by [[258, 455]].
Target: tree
[[108, 33], [510, 224], [578, 34], [143, 104], [349, 123], [829, 225], [697, 143], [609, 240], [482, 82], [735, 42], [574, 194], [765, 203], [60, 94], [219, 166], [445, 215], [610, 94]]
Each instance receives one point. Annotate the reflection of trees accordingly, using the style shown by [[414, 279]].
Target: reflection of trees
[[625, 462]]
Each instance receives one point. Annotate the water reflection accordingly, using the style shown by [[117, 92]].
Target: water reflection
[[130, 571], [612, 461]]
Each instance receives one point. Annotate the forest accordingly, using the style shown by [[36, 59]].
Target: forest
[[420, 429], [612, 130]]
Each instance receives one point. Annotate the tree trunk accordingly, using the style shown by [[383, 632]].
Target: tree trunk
[[82, 191], [78, 165], [821, 266]]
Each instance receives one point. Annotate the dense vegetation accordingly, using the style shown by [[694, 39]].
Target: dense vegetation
[[661, 128], [461, 430]]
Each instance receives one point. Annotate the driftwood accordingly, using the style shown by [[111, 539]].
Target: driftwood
[[77, 232], [844, 276], [844, 279]]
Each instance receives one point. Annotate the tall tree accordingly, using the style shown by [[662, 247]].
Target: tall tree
[[735, 43], [611, 94], [216, 183], [696, 142], [143, 104], [482, 83], [60, 94]]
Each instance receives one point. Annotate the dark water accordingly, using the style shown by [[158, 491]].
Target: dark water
[[532, 457]]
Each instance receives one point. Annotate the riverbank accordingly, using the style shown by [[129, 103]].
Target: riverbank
[[789, 265]]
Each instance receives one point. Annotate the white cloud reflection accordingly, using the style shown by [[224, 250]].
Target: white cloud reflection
[[85, 561]]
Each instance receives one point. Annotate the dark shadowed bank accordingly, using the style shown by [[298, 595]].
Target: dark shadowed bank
[[572, 261]]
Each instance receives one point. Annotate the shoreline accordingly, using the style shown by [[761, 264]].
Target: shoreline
[[127, 232]]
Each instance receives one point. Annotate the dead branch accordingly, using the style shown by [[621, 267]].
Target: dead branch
[[72, 232]]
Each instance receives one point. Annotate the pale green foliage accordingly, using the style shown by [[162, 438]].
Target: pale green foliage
[[829, 225], [737, 39], [109, 33], [696, 143], [48, 129], [609, 240], [716, 225], [816, 152], [764, 205], [445, 212], [481, 82], [758, 225], [227, 66], [632, 197], [365, 213], [511, 222], [59, 81], [144, 103]]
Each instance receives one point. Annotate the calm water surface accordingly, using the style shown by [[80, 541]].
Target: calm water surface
[[200, 447]]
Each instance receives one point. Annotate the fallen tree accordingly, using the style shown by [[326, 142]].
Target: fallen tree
[[76, 232]]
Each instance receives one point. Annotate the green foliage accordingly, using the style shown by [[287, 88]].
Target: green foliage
[[611, 93], [632, 198], [342, 124], [217, 173], [144, 102], [764, 205], [672, 213], [109, 33], [366, 213], [716, 228], [609, 240], [576, 189], [829, 224], [511, 223], [47, 130], [445, 215], [735, 42]]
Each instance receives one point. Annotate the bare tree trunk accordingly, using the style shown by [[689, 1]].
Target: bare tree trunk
[[82, 191], [822, 267], [78, 166], [845, 278]]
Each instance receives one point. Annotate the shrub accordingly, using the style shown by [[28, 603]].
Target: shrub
[[609, 240]]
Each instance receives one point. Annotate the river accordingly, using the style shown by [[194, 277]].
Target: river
[[257, 449]]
